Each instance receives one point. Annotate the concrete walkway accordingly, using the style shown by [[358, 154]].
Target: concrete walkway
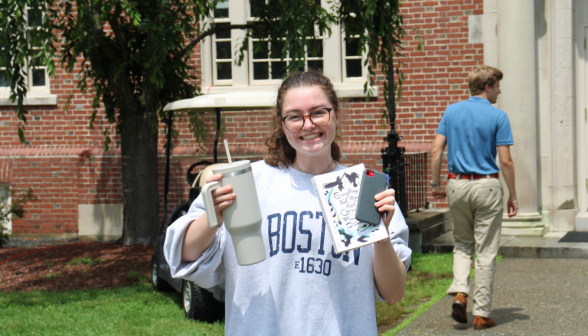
[[547, 246], [532, 296]]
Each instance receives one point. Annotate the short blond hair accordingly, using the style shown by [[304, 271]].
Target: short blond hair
[[482, 76]]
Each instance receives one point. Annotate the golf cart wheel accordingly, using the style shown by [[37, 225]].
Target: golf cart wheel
[[199, 304], [158, 283]]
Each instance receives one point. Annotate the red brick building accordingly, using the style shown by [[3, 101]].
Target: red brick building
[[77, 183]]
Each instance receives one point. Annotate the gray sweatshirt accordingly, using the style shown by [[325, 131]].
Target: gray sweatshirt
[[303, 287]]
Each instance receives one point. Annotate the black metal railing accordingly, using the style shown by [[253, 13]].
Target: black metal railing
[[415, 175], [395, 166]]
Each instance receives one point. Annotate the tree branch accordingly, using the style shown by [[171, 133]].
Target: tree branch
[[119, 36], [107, 49]]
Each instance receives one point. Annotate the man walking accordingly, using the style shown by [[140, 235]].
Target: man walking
[[474, 131]]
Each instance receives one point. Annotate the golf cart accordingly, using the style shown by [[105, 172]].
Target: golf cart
[[204, 304]]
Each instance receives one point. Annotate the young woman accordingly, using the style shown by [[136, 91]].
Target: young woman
[[279, 296]]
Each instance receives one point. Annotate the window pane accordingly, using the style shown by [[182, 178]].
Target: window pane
[[354, 6], [256, 34], [225, 34], [315, 65], [281, 34], [314, 48], [34, 40], [34, 17], [3, 79], [278, 70], [224, 71], [222, 10], [223, 50], [277, 48], [260, 70], [260, 50], [352, 47], [39, 77], [252, 11], [353, 68]]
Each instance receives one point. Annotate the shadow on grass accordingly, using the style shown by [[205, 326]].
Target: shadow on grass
[[47, 298], [176, 297]]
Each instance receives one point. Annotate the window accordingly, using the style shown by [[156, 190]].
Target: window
[[222, 52], [352, 59], [262, 68], [37, 78], [266, 64]]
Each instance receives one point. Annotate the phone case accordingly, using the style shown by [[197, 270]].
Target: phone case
[[372, 183]]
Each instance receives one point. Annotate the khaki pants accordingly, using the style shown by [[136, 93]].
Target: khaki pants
[[476, 208]]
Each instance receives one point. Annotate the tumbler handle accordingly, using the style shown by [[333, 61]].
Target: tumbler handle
[[209, 205]]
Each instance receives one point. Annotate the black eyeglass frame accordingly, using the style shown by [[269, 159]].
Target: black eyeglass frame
[[304, 117]]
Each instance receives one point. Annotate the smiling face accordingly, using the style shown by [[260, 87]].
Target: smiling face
[[311, 141]]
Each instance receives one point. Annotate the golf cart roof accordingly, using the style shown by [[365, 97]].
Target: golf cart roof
[[233, 101]]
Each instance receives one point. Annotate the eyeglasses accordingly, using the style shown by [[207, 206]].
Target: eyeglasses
[[295, 122]]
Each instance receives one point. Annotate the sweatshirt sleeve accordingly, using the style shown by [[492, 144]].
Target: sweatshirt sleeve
[[399, 237], [207, 271]]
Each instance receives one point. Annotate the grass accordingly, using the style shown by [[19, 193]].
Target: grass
[[426, 284], [85, 261], [52, 275], [125, 311], [138, 310]]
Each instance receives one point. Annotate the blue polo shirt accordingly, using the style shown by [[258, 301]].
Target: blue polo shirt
[[473, 129]]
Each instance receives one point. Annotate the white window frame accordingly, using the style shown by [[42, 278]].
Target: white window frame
[[36, 95], [344, 58], [242, 77]]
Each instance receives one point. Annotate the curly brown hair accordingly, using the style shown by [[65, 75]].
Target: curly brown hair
[[279, 149]]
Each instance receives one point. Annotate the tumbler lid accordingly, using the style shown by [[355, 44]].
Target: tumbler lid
[[232, 167]]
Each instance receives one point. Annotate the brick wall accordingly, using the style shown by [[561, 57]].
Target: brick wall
[[436, 76], [64, 163]]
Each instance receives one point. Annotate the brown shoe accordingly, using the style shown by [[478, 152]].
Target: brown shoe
[[459, 306], [483, 322]]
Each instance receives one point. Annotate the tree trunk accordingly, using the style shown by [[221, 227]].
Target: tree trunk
[[139, 178]]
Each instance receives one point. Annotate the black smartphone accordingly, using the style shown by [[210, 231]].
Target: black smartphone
[[372, 183]]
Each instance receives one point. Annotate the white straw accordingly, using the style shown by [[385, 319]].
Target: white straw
[[228, 152]]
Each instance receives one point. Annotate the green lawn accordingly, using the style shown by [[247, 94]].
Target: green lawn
[[426, 284], [134, 310], [139, 310]]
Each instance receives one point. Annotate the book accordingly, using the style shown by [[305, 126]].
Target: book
[[338, 193]]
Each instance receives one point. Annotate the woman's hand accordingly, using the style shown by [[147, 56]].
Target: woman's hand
[[389, 271], [385, 202], [221, 197]]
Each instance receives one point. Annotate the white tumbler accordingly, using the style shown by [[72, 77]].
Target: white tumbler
[[243, 217]]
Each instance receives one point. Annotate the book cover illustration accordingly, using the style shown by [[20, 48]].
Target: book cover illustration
[[338, 193]]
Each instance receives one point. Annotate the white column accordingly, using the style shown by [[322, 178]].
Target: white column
[[489, 32], [564, 203], [516, 59], [581, 119]]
